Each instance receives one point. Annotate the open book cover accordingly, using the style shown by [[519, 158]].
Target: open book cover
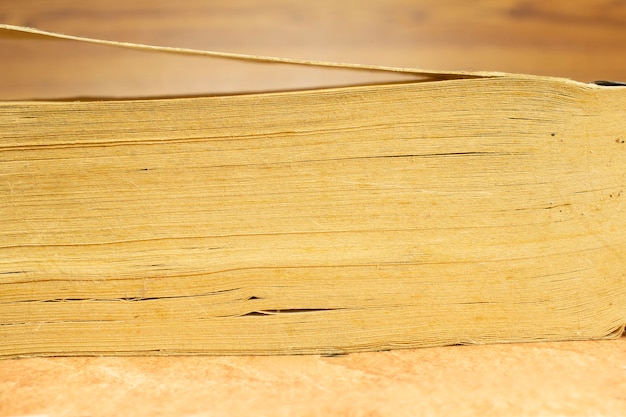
[[461, 207]]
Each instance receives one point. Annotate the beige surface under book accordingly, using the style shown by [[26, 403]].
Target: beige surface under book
[[459, 208]]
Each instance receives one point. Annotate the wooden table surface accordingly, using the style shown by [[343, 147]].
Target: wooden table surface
[[583, 40]]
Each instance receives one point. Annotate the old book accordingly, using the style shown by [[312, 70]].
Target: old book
[[456, 208]]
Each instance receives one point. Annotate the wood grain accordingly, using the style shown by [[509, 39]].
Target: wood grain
[[585, 41], [548, 379]]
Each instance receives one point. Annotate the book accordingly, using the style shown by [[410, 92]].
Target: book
[[458, 208]]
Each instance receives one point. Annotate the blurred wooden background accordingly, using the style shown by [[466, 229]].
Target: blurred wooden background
[[583, 40]]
